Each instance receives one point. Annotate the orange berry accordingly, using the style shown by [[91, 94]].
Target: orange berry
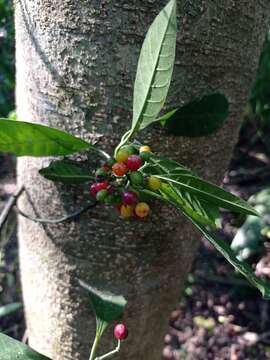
[[145, 148], [119, 169], [142, 209], [126, 211]]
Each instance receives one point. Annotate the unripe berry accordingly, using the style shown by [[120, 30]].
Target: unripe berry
[[126, 211], [122, 155], [136, 178], [154, 183], [142, 209], [145, 156], [110, 162], [101, 173], [134, 162], [129, 197], [120, 169], [120, 331], [145, 148], [130, 148], [101, 195]]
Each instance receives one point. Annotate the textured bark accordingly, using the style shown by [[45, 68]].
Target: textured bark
[[76, 64]]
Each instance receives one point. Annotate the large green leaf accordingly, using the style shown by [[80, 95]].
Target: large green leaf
[[11, 349], [203, 212], [107, 306], [210, 193], [219, 244], [229, 255], [155, 68], [66, 172], [200, 117], [27, 139]]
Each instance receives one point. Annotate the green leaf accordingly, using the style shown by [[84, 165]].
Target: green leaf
[[27, 139], [107, 306], [66, 172], [210, 193], [229, 255], [200, 117], [11, 349], [219, 244], [10, 308], [155, 68], [206, 214]]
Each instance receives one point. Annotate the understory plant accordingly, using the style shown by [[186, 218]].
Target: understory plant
[[133, 176]]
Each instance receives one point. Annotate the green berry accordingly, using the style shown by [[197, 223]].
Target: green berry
[[130, 149], [101, 195], [110, 162], [101, 173], [154, 183], [136, 178], [145, 155]]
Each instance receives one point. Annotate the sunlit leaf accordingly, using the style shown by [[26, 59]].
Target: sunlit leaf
[[155, 68], [27, 139]]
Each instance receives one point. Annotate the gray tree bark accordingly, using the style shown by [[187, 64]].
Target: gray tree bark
[[76, 64]]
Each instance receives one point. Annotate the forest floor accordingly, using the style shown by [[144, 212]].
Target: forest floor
[[220, 316]]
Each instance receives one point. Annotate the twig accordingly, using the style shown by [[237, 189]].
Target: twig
[[9, 205], [59, 220]]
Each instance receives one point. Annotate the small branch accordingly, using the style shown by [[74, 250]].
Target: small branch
[[9, 205], [59, 220], [111, 353]]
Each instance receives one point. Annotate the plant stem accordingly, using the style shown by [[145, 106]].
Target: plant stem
[[111, 353], [94, 348]]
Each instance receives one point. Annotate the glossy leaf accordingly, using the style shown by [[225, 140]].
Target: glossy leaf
[[211, 193], [203, 212], [27, 139], [229, 255], [155, 68], [200, 117], [9, 308], [219, 244], [107, 306], [66, 172], [11, 349]]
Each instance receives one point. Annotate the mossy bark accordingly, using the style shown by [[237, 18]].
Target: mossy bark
[[76, 64]]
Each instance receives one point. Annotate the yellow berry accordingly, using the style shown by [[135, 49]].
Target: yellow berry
[[154, 183], [142, 209], [126, 211], [145, 148], [122, 155]]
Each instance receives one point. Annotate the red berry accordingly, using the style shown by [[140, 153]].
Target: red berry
[[134, 162], [119, 169], [120, 331], [129, 197], [102, 185], [93, 189]]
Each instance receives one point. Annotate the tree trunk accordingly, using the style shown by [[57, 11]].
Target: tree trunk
[[76, 62]]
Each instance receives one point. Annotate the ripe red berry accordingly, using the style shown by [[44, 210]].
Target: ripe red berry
[[134, 162], [129, 197], [120, 331], [93, 189], [102, 185], [119, 169]]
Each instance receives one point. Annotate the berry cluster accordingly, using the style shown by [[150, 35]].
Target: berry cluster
[[117, 181]]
